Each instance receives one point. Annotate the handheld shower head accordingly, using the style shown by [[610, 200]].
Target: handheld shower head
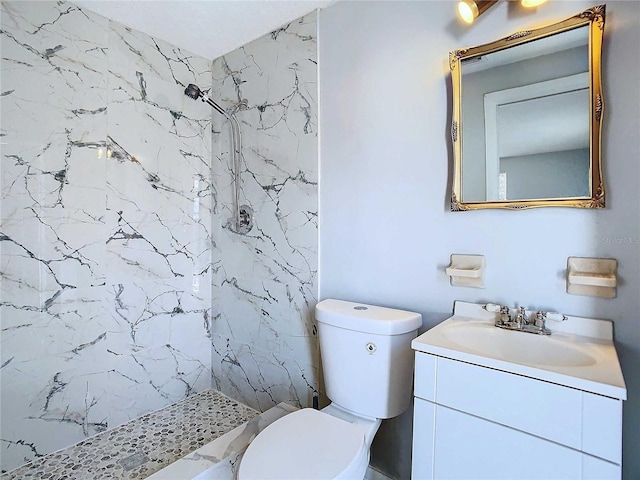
[[243, 214], [193, 91]]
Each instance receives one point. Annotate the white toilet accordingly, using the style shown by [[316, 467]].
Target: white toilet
[[368, 368]]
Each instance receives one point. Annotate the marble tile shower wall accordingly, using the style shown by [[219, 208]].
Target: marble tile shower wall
[[265, 283], [105, 227]]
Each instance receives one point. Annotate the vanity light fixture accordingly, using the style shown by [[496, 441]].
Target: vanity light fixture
[[532, 3], [469, 10]]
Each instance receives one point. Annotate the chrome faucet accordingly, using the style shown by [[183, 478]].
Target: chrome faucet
[[521, 319], [521, 322]]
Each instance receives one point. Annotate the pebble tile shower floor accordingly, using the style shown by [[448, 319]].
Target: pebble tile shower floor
[[142, 446]]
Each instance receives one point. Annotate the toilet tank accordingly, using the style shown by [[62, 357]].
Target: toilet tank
[[366, 356]]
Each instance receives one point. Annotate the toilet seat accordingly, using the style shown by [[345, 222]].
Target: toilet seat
[[306, 444]]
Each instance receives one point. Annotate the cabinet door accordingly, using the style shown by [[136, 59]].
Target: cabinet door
[[540, 408], [602, 427], [423, 437], [469, 447]]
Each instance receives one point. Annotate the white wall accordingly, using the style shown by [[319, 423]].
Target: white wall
[[385, 230]]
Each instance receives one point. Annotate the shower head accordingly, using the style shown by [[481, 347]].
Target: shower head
[[193, 91]]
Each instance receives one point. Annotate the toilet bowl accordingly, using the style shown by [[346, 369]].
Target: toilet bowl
[[309, 444], [368, 369]]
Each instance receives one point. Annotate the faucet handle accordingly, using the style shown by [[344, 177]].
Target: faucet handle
[[503, 318], [539, 323], [558, 317], [495, 308], [492, 307], [540, 319]]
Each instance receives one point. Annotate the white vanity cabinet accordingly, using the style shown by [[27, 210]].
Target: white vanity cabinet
[[481, 417], [477, 422]]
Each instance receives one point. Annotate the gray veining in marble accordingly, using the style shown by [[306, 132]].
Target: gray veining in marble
[[105, 227], [122, 289], [264, 334]]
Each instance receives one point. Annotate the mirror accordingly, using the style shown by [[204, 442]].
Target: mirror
[[526, 118]]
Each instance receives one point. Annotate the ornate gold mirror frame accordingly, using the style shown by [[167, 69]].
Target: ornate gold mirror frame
[[592, 18]]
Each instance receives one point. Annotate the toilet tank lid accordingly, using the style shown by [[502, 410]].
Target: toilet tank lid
[[367, 318]]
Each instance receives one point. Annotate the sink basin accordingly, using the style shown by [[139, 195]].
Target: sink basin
[[579, 353], [519, 347]]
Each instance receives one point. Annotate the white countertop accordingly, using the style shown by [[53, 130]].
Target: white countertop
[[579, 353]]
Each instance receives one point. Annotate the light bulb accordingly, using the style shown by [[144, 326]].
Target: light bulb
[[532, 3], [466, 12], [469, 10]]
